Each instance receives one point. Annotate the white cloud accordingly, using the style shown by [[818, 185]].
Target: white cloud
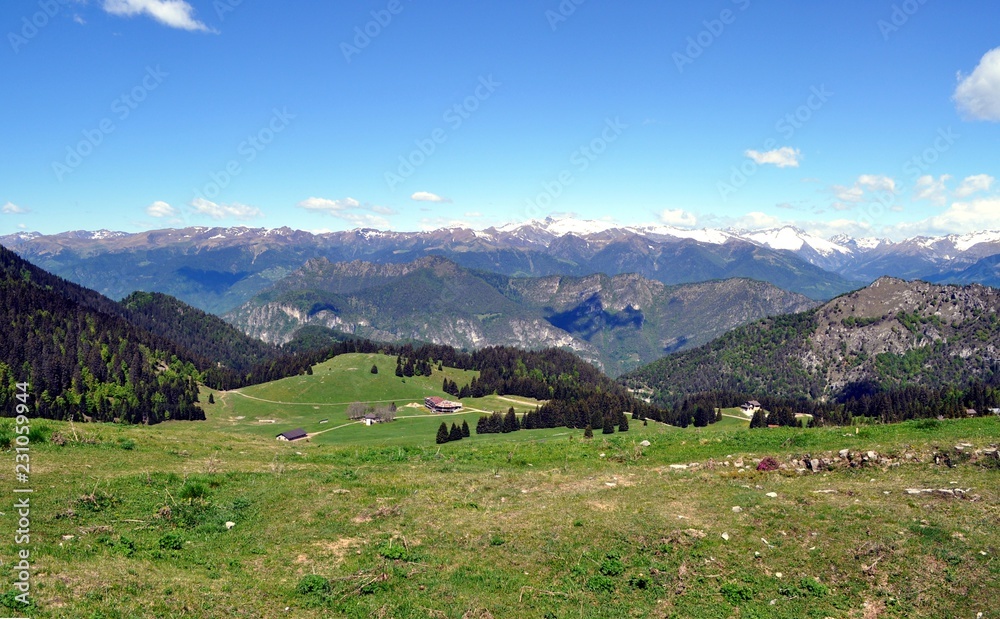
[[978, 95], [829, 229], [223, 211], [426, 196], [876, 182], [959, 218], [678, 217], [846, 198], [974, 184], [173, 13], [329, 206], [351, 211], [786, 157], [757, 221], [161, 209], [12, 209], [932, 189]]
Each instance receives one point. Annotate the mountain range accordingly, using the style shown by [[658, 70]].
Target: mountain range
[[618, 322], [889, 335], [219, 269]]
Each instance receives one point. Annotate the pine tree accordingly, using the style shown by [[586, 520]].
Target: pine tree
[[399, 369], [609, 427], [374, 369], [455, 434], [758, 420], [442, 435], [588, 432], [510, 423], [465, 429], [623, 423], [211, 398]]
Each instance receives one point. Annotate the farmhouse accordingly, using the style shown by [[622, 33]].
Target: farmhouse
[[751, 407], [370, 420], [440, 405], [293, 435]]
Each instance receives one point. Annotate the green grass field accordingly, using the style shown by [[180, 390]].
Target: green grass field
[[318, 403], [382, 522]]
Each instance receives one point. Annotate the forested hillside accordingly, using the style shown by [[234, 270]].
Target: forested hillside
[[882, 349], [80, 362]]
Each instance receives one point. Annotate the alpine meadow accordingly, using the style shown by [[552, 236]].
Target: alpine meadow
[[547, 309]]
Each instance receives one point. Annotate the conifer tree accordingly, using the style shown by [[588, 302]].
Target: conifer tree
[[609, 427], [211, 398], [374, 369], [623, 423], [465, 429], [758, 420], [442, 435], [588, 432], [455, 434]]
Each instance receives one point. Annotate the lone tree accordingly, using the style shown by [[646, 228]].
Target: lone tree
[[442, 436], [588, 432], [211, 398], [465, 429], [374, 369]]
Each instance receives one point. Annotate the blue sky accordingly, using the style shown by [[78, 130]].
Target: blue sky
[[868, 117]]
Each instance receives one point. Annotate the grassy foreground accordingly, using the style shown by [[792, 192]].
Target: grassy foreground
[[132, 522]]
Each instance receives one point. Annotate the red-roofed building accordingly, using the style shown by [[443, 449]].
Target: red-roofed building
[[440, 405]]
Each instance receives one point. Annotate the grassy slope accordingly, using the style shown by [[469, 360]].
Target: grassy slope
[[518, 524], [304, 401]]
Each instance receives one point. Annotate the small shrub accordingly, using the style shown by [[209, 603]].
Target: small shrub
[[126, 443], [813, 587], [736, 594], [313, 585], [171, 541], [612, 566], [394, 553], [601, 584], [497, 541]]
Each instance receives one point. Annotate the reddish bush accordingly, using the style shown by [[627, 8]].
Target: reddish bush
[[768, 464]]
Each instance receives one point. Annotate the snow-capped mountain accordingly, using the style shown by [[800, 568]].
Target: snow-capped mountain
[[217, 268]]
